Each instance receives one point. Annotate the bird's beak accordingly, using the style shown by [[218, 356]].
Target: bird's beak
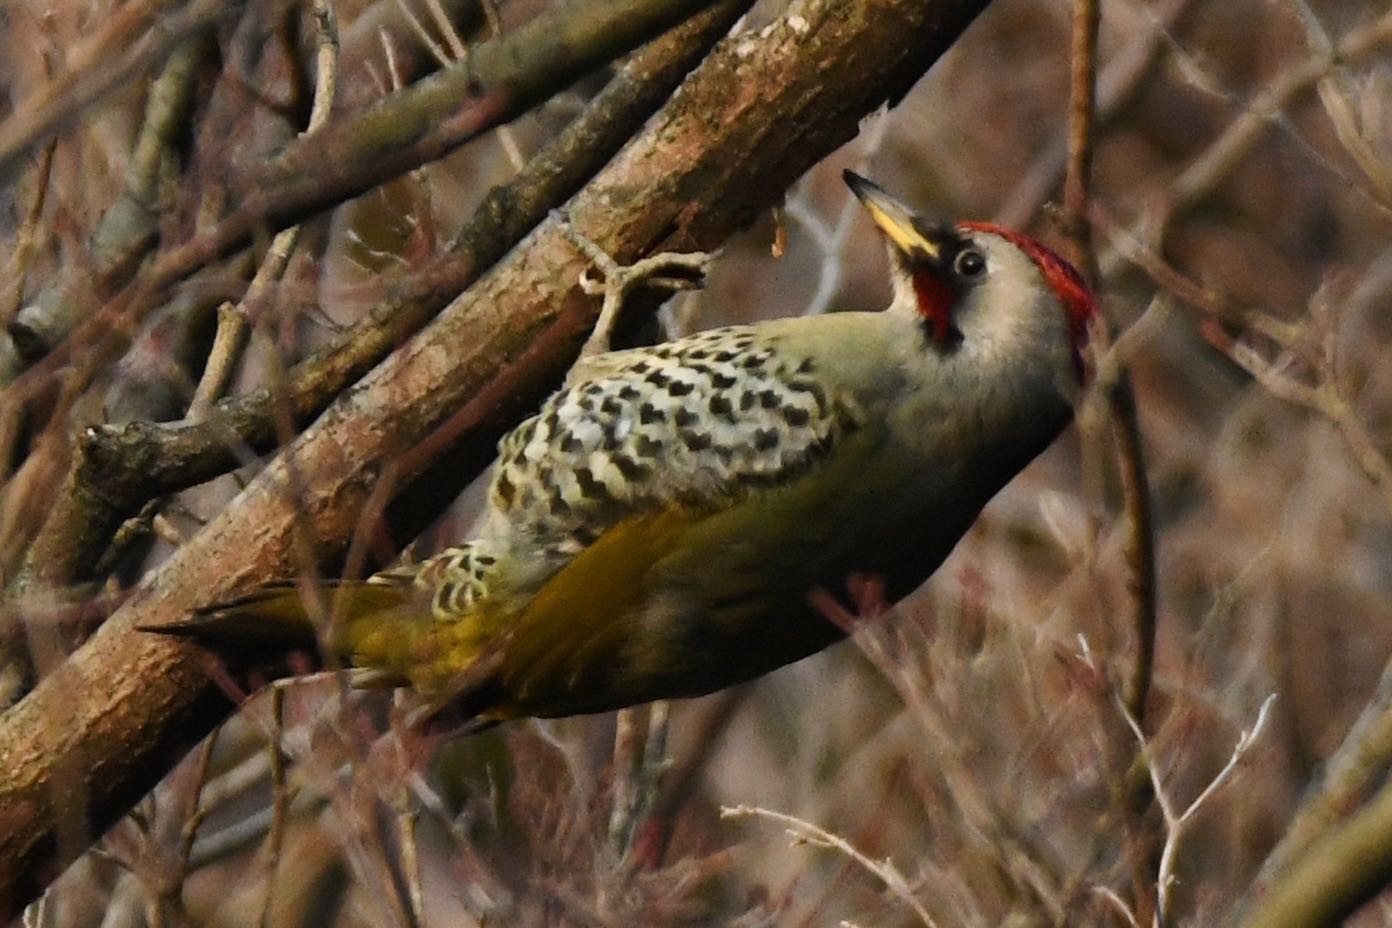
[[897, 221]]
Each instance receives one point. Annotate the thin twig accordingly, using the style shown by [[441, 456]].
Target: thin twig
[[1112, 365], [803, 832], [28, 235], [1082, 111], [626, 758], [1116, 902], [458, 51], [228, 341], [280, 802], [197, 810], [831, 238], [406, 820], [439, 54], [1119, 394], [1141, 541]]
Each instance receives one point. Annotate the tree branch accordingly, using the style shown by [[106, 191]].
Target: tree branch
[[1350, 865]]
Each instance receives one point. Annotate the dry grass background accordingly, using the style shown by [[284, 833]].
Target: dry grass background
[[962, 745]]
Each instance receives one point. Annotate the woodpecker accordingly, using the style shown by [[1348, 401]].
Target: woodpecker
[[656, 530]]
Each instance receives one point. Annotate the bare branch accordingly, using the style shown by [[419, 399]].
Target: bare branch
[[1177, 821], [1082, 110], [1118, 82]]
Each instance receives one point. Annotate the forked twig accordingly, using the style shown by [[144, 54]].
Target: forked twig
[[1176, 822], [668, 271]]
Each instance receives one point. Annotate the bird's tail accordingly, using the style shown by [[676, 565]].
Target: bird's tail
[[380, 629], [271, 614]]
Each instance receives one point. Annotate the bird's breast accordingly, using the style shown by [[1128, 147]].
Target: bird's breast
[[731, 601]]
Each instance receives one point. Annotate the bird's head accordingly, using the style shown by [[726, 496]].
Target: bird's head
[[977, 287]]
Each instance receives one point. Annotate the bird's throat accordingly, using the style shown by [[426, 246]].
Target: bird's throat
[[935, 299]]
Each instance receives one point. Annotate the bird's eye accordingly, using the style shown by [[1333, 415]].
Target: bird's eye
[[970, 262]]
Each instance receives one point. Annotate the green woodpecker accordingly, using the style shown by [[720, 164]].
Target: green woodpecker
[[655, 530]]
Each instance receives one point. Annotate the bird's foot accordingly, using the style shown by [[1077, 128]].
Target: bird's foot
[[867, 597], [669, 271], [867, 593]]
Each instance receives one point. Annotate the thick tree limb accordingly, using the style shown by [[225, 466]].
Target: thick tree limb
[[763, 107]]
